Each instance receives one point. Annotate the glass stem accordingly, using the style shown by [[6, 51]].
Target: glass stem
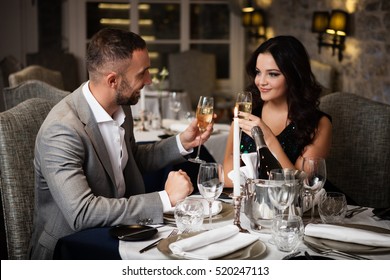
[[200, 144], [312, 207], [210, 211]]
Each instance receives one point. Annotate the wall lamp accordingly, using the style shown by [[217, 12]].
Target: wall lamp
[[254, 21], [332, 29]]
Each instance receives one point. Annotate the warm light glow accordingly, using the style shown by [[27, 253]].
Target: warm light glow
[[114, 21], [153, 55], [248, 9], [144, 7], [111, 6], [235, 111], [149, 38], [145, 22], [153, 71]]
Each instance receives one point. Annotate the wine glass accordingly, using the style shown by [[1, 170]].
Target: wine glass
[[210, 183], [283, 189], [175, 103], [244, 102], [313, 182], [204, 114]]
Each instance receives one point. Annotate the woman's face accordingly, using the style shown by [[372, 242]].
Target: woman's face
[[269, 80]]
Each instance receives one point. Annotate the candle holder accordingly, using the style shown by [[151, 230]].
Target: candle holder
[[142, 126], [237, 212]]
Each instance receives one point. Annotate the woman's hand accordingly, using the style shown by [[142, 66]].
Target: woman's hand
[[249, 121]]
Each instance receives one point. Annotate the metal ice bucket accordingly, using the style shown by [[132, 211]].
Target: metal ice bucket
[[258, 206]]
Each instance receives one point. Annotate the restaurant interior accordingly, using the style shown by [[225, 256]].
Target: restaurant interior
[[348, 42]]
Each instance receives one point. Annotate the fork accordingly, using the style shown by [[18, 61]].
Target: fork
[[355, 211], [328, 251], [154, 244]]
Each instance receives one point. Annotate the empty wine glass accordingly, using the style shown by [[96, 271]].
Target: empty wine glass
[[204, 115], [313, 182], [283, 190], [175, 103], [210, 183]]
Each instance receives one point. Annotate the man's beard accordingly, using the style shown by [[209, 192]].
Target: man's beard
[[121, 98]]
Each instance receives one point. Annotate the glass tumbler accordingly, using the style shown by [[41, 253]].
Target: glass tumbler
[[287, 232], [189, 214]]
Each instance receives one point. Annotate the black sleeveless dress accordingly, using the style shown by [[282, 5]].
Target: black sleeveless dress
[[288, 140]]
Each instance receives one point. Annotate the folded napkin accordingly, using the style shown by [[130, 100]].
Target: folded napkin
[[348, 234], [212, 244], [248, 171]]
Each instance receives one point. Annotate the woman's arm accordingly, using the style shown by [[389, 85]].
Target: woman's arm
[[228, 160]]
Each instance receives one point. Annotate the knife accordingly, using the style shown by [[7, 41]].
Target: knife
[[138, 232]]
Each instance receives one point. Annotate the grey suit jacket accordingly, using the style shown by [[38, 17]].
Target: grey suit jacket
[[74, 180]]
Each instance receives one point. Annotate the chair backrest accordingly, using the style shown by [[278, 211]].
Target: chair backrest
[[18, 129], [30, 89], [37, 72], [359, 160], [194, 72]]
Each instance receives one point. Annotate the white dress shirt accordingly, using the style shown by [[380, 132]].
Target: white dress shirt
[[113, 136]]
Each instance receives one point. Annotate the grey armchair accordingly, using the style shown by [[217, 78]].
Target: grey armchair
[[37, 72], [359, 160], [30, 89], [18, 129]]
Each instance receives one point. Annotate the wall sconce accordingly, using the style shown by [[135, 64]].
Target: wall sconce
[[254, 21], [332, 30]]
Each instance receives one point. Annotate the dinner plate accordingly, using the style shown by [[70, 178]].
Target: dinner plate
[[313, 257], [322, 243], [129, 229], [226, 213], [251, 252]]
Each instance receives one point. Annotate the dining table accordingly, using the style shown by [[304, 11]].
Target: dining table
[[100, 243]]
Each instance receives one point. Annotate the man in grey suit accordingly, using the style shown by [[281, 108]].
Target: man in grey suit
[[88, 167]]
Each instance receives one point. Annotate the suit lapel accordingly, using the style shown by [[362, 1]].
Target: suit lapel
[[92, 129]]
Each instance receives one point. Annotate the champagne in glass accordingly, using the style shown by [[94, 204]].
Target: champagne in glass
[[204, 115], [244, 102]]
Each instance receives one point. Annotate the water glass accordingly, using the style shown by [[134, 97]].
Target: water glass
[[287, 232], [189, 215], [332, 208]]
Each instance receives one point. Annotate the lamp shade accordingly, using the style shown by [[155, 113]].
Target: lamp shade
[[320, 22], [339, 21]]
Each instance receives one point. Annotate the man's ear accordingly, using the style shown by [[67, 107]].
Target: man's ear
[[112, 80]]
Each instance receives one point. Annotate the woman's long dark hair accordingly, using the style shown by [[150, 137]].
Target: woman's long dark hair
[[303, 90]]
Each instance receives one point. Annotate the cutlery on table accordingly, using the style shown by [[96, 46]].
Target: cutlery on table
[[154, 244], [290, 256], [354, 211], [138, 232], [329, 251]]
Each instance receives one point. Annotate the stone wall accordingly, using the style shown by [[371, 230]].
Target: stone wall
[[365, 68]]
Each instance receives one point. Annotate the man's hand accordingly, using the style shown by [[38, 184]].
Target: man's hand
[[178, 186], [190, 137]]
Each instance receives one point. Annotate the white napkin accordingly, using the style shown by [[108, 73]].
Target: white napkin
[[248, 171], [178, 127], [212, 244], [348, 234]]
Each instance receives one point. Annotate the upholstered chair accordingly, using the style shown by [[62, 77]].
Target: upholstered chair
[[37, 72], [194, 72], [359, 160], [18, 129], [30, 89]]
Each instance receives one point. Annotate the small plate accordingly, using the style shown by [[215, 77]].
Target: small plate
[[252, 252], [226, 213], [128, 229]]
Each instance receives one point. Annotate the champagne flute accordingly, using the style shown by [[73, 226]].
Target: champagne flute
[[315, 170], [244, 102], [204, 114], [210, 183], [175, 103]]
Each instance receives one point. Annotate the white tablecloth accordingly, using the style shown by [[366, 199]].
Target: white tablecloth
[[129, 250]]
